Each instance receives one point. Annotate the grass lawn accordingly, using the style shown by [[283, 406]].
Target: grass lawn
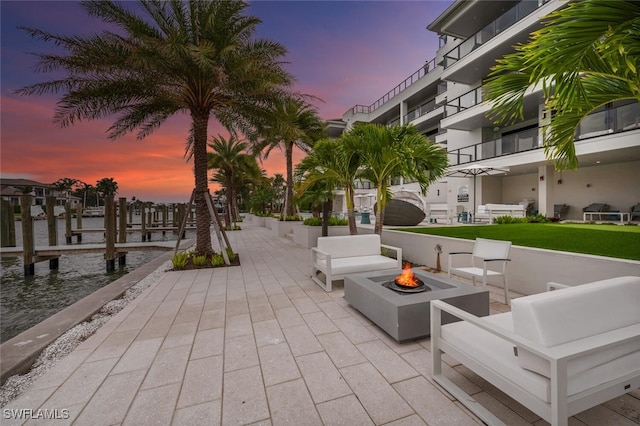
[[604, 240]]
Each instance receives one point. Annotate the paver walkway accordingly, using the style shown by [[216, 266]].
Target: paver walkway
[[261, 344]]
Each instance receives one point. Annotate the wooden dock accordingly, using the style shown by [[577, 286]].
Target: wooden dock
[[46, 252]]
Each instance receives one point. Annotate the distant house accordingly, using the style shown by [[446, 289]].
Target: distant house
[[12, 189]]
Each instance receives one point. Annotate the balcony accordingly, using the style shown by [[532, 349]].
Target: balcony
[[611, 120], [423, 109], [413, 78], [468, 100], [506, 20]]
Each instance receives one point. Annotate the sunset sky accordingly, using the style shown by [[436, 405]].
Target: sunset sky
[[344, 52]]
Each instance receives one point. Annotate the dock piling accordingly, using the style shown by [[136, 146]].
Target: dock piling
[[52, 230], [28, 244], [110, 233], [7, 223]]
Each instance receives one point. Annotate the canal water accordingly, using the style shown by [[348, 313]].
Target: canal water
[[26, 301]]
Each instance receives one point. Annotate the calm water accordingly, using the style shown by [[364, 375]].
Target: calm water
[[26, 301]]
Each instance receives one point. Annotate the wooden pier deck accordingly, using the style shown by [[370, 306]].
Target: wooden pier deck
[[58, 250]]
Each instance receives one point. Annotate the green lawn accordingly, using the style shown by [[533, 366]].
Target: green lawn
[[603, 240]]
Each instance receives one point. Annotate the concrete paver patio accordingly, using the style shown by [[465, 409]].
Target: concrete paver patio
[[261, 343]]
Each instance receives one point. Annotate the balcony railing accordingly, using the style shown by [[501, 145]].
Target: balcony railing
[[423, 109], [468, 100], [506, 20], [413, 78], [609, 121]]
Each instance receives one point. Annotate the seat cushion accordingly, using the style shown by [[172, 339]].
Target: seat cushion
[[575, 313], [497, 354], [349, 265]]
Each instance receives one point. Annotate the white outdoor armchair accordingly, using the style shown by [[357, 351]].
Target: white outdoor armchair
[[485, 253]]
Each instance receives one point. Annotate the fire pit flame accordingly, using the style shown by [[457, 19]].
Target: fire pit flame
[[407, 278]]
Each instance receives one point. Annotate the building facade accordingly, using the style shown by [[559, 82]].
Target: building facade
[[444, 100]]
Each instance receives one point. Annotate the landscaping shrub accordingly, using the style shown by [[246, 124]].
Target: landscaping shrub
[[293, 218], [180, 260], [230, 254], [333, 221], [503, 220], [217, 260], [199, 260]]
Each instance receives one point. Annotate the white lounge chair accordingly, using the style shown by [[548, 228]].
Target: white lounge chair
[[485, 251]]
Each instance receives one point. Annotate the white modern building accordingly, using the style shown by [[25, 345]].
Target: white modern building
[[444, 101]]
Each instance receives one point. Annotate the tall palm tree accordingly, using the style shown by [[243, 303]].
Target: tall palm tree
[[585, 56], [194, 57], [331, 163], [392, 152], [295, 123], [230, 160]]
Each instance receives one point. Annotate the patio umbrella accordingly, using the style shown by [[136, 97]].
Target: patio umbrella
[[476, 170]]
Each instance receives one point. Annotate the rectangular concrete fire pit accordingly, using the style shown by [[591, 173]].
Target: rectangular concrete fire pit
[[405, 316]]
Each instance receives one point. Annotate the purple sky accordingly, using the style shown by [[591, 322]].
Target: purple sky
[[344, 52]]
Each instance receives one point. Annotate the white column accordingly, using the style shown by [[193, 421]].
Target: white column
[[403, 111], [545, 190]]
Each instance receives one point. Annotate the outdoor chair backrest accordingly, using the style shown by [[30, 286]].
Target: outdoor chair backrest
[[491, 249]]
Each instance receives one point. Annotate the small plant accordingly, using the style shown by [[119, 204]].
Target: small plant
[[217, 260], [503, 220], [230, 254], [538, 218], [232, 228], [293, 218], [199, 260], [180, 260], [333, 221]]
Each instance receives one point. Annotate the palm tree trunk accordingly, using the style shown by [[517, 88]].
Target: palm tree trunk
[[382, 203], [203, 220], [289, 197], [351, 215]]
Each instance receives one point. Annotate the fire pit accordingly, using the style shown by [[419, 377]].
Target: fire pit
[[404, 312], [407, 282]]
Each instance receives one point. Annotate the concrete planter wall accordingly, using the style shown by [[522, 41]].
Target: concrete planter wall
[[269, 222], [282, 228], [530, 268], [258, 220], [307, 236]]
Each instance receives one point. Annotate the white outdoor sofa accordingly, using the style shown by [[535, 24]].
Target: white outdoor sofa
[[337, 256], [557, 353], [491, 211], [438, 211]]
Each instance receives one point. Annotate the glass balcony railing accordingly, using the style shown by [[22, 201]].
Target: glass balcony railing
[[468, 100], [610, 120], [423, 109], [506, 20], [413, 78]]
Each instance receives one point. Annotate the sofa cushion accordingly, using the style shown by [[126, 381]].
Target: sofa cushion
[[350, 245], [574, 313], [348, 265]]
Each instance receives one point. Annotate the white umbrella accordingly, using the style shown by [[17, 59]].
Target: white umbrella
[[476, 170]]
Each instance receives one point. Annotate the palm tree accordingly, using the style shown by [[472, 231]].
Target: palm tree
[[64, 186], [230, 160], [278, 185], [195, 57], [585, 56], [331, 163], [392, 152], [295, 123]]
